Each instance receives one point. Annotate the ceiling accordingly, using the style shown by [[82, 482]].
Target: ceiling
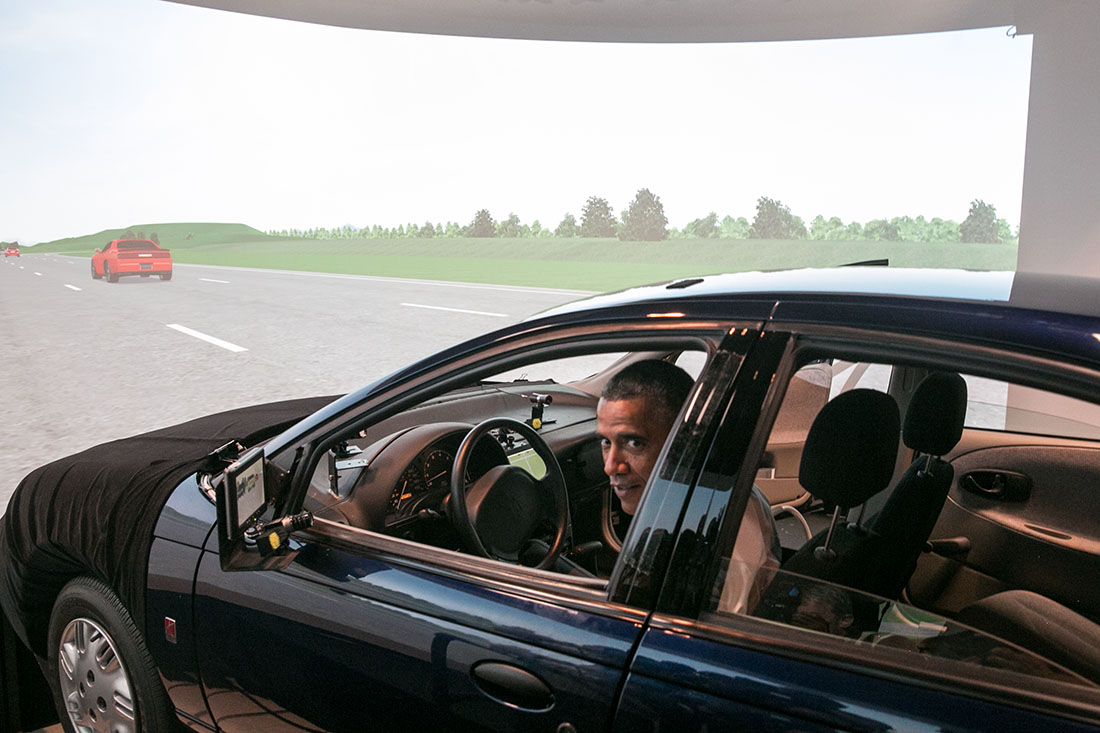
[[660, 21]]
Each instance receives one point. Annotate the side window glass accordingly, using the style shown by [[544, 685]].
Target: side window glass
[[833, 564], [996, 405]]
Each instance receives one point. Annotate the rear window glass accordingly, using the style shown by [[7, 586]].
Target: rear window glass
[[137, 244]]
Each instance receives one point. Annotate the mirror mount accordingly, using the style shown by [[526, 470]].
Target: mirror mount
[[245, 495]]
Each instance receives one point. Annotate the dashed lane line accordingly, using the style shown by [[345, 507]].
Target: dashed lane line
[[37, 273], [212, 280], [455, 310], [207, 338], [73, 287]]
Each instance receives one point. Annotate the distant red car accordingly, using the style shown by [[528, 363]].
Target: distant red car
[[11, 252], [131, 257]]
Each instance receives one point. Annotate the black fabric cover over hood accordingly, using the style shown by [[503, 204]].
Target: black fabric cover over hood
[[94, 513]]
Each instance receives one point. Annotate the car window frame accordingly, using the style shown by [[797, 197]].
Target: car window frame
[[811, 341]]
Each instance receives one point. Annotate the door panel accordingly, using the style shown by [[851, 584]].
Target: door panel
[[342, 642], [680, 681], [1041, 538]]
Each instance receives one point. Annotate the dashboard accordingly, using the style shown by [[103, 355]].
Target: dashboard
[[399, 484]]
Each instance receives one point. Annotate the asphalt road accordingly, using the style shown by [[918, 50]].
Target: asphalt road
[[85, 361]]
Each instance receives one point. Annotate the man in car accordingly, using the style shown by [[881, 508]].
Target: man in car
[[634, 416]]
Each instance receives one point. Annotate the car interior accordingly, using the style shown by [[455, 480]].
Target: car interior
[[964, 503]]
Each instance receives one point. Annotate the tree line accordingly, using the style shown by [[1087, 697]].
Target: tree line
[[644, 220]]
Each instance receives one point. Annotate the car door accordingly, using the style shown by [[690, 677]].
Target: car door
[[797, 661], [361, 630], [341, 640]]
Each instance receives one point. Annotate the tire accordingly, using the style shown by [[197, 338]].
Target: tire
[[100, 671], [111, 277], [95, 275], [166, 276]]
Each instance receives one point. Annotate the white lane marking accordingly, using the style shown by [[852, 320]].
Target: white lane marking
[[455, 310], [211, 280], [398, 280], [73, 287], [38, 273], [209, 339]]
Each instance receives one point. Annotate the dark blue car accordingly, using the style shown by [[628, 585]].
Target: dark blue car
[[928, 443]]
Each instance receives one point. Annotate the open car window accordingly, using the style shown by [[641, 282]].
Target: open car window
[[395, 477]]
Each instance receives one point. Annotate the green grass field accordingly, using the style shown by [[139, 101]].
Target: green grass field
[[584, 264]]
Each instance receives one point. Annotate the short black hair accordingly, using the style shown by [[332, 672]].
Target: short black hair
[[667, 385]]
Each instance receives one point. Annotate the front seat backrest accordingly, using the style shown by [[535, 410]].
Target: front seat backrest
[[933, 426], [849, 457]]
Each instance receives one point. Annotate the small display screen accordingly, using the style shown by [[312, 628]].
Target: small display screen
[[247, 487]]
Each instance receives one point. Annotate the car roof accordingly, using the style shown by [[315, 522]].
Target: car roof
[[1043, 292]]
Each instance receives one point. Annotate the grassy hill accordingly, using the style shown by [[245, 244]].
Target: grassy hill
[[172, 236], [586, 264]]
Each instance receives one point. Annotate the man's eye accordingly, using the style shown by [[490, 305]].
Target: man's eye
[[635, 444], [605, 443]]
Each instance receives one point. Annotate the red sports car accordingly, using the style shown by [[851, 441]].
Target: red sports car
[[131, 257], [11, 252]]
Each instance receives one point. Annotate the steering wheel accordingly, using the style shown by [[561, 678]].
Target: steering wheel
[[499, 513]]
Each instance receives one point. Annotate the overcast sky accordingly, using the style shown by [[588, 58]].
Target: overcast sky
[[125, 112]]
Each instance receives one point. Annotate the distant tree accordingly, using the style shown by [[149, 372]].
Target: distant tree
[[881, 230], [536, 229], [832, 229], [941, 230], [775, 221], [644, 220], [597, 219], [439, 230], [153, 237], [130, 234], [705, 228], [731, 228], [980, 224], [509, 227], [427, 231], [567, 227], [454, 229], [482, 225]]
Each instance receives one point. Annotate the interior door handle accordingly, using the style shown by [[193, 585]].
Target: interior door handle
[[999, 485], [511, 685]]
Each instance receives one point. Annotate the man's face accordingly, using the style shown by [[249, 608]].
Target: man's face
[[631, 433]]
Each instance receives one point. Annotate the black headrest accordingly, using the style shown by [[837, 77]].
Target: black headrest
[[850, 451], [934, 420]]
